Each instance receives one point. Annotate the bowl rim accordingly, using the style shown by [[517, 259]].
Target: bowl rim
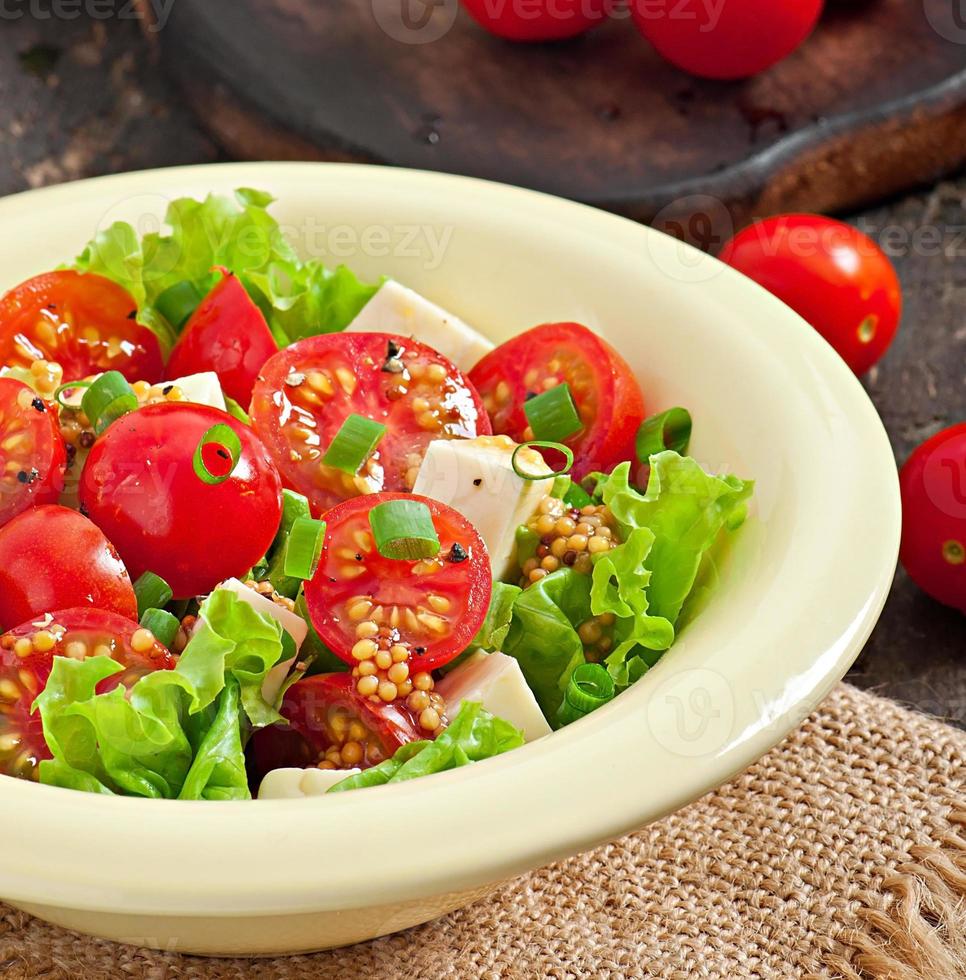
[[560, 821]]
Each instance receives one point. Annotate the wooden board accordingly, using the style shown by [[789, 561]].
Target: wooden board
[[874, 103]]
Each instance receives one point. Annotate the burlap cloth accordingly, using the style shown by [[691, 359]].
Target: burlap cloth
[[841, 854]]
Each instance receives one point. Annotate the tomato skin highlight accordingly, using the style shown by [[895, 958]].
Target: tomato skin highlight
[[42, 454], [24, 675], [831, 274], [735, 40], [139, 486], [550, 20], [306, 392], [306, 707], [611, 406], [48, 318], [51, 557], [465, 586], [933, 487], [226, 334]]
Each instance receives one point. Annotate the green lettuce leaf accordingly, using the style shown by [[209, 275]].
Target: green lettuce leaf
[[178, 734], [492, 634], [473, 735], [298, 299]]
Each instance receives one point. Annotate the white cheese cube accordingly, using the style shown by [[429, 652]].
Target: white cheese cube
[[293, 784], [475, 477], [201, 389], [396, 309], [495, 681], [292, 623]]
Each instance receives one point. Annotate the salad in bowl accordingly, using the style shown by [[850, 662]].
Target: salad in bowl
[[269, 530]]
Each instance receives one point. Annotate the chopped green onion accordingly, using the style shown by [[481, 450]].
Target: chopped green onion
[[537, 444], [527, 541], [577, 496], [403, 529], [303, 548], [552, 415], [220, 435], [236, 411], [669, 430], [151, 592], [178, 302], [107, 399], [162, 624], [70, 386], [294, 506], [589, 687], [561, 484], [353, 443]]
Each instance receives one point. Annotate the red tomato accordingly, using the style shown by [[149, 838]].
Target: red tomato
[[26, 659], [432, 607], [306, 392], [933, 486], [331, 724], [85, 323], [140, 487], [727, 39], [33, 457], [226, 334], [605, 392], [829, 273], [536, 20], [51, 557]]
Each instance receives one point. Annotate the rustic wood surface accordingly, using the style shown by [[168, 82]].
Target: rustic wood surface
[[872, 104], [79, 98]]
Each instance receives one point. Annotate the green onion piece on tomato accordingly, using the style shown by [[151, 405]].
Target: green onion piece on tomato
[[151, 592], [404, 529], [107, 399], [162, 624], [553, 415], [589, 687], [355, 440], [228, 446], [303, 548], [668, 430]]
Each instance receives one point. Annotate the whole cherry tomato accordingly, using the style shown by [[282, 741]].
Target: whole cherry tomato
[[728, 39], [831, 274], [536, 20], [933, 487]]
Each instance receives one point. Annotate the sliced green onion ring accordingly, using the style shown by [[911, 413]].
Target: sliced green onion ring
[[403, 529], [355, 440], [70, 386], [303, 548], [107, 399], [151, 592], [553, 415], [668, 430], [162, 624], [178, 302], [222, 435], [539, 444], [589, 687]]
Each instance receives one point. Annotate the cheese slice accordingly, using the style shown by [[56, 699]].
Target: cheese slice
[[201, 389], [293, 784], [396, 309], [495, 681], [475, 477]]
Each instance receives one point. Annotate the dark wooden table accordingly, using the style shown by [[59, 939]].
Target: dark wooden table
[[82, 97]]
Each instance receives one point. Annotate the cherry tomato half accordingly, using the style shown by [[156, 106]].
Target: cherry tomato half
[[606, 394], [734, 39], [27, 657], [332, 725], [140, 487], [33, 457], [306, 392], [431, 607], [537, 20], [933, 487], [829, 273], [226, 334], [51, 557], [86, 323]]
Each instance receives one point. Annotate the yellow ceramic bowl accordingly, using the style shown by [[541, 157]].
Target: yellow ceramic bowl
[[798, 596]]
